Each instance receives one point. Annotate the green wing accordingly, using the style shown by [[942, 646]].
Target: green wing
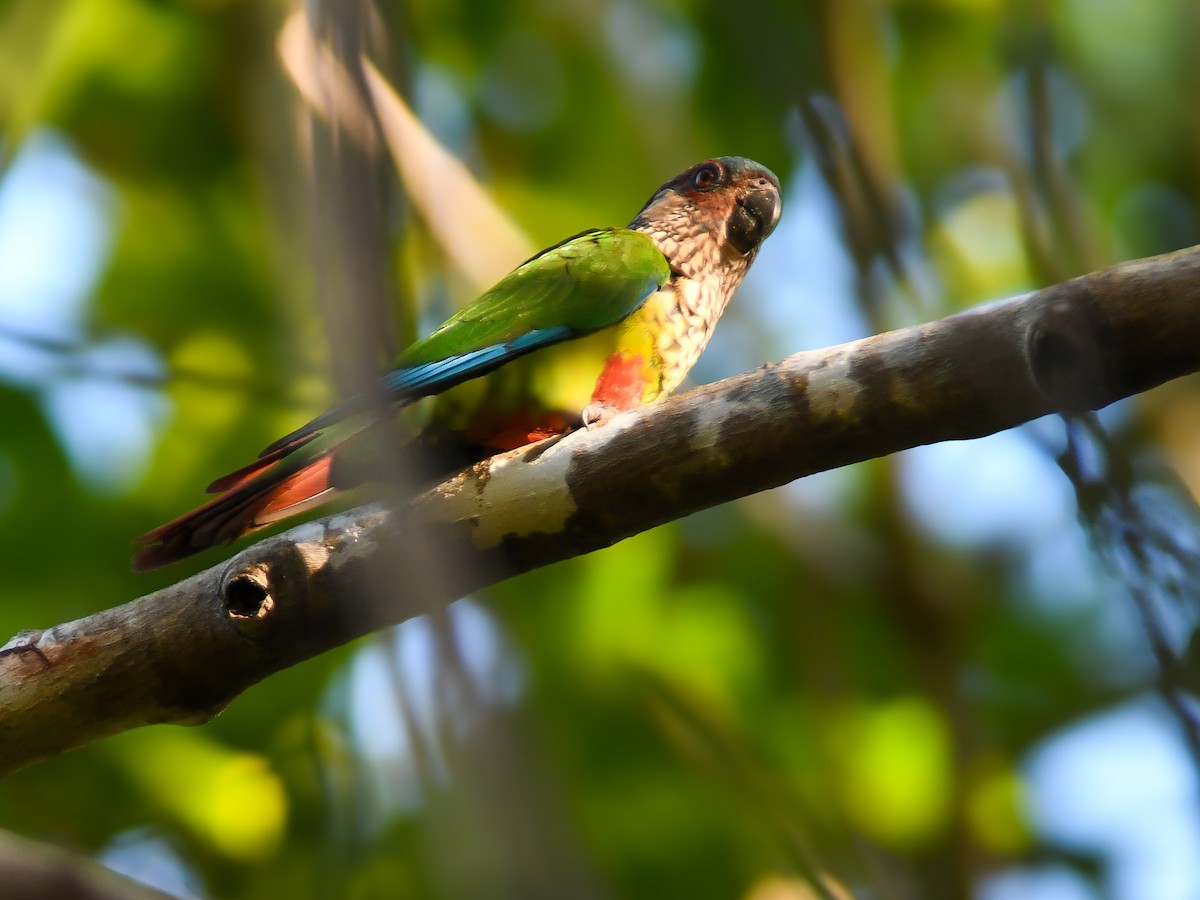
[[586, 283]]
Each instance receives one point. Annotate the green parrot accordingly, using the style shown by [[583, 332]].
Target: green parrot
[[605, 321]]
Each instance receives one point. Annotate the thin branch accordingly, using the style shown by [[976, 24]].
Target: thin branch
[[71, 356], [33, 871], [181, 654]]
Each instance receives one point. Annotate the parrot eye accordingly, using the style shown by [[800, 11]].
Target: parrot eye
[[707, 177]]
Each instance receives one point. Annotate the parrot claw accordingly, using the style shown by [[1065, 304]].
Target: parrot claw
[[597, 414]]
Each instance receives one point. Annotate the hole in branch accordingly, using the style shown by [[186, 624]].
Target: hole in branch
[[1065, 355], [247, 597]]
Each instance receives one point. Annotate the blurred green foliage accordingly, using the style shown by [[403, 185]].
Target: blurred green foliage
[[801, 694]]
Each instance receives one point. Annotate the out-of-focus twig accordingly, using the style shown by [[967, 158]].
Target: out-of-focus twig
[[33, 871], [71, 361], [482, 240], [1147, 536], [875, 224], [477, 236]]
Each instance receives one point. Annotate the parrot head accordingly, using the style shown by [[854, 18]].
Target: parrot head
[[713, 216]]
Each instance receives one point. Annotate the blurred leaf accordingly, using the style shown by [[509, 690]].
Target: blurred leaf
[[230, 800]]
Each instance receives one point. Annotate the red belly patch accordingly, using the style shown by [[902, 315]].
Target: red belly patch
[[622, 382], [518, 429]]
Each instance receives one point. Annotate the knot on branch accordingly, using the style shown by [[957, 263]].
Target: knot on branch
[[1069, 353], [246, 595], [24, 648]]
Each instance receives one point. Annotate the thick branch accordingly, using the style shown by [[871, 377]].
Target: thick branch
[[182, 653]]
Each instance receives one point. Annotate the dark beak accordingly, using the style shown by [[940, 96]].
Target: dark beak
[[755, 215]]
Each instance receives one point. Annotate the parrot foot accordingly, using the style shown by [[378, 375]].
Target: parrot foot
[[597, 414]]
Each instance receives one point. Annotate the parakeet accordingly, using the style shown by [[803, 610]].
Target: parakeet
[[602, 322]]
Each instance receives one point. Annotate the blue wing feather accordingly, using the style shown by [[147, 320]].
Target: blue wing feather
[[418, 381], [410, 384]]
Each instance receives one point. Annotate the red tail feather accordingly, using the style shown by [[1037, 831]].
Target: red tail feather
[[309, 485], [245, 473], [253, 497]]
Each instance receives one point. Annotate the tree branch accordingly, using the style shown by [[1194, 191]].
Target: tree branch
[[182, 653], [33, 871]]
